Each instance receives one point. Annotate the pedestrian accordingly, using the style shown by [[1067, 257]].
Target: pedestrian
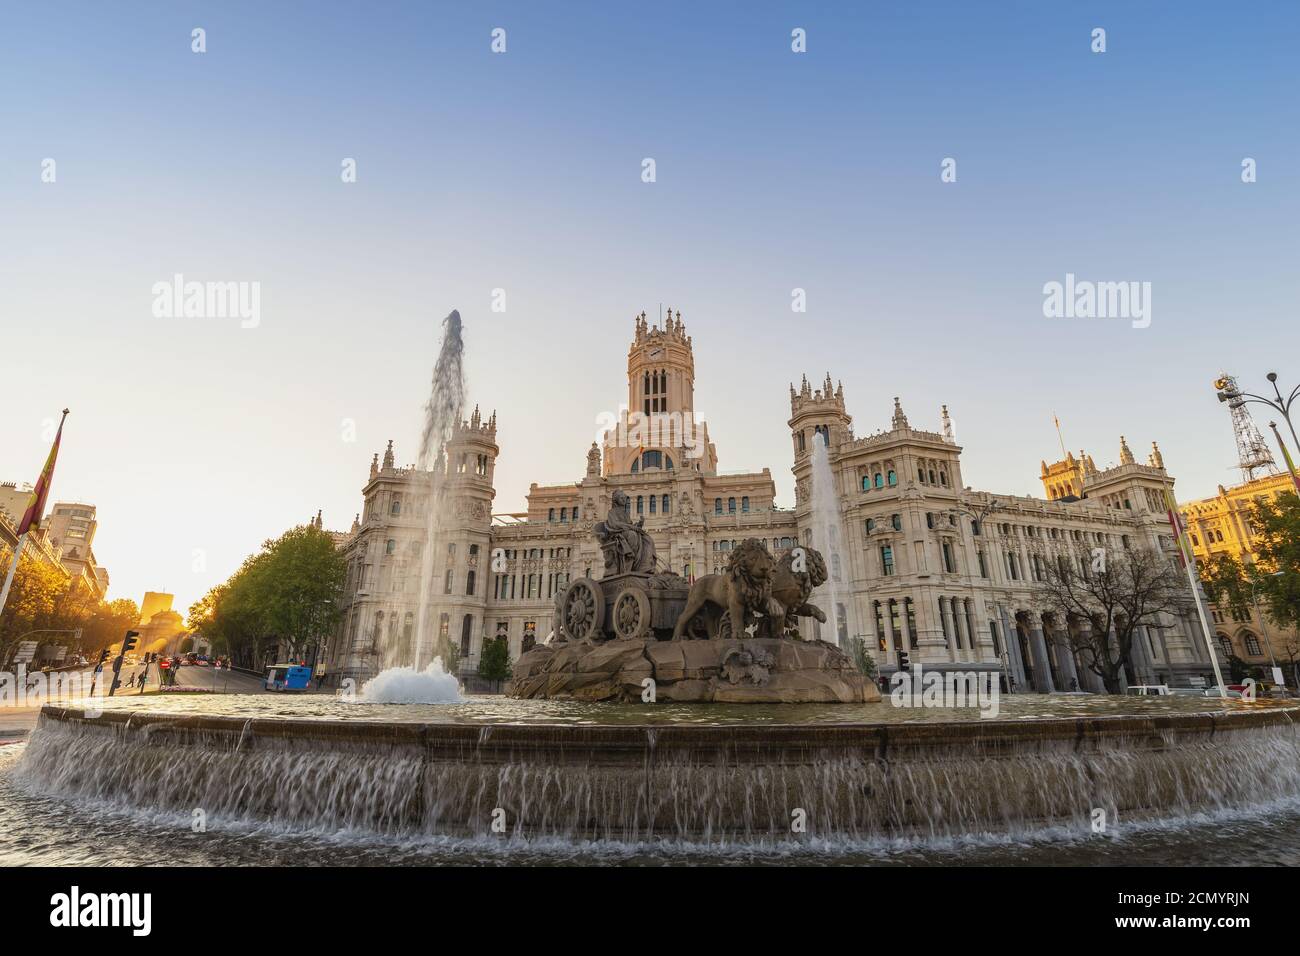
[[143, 679], [131, 681]]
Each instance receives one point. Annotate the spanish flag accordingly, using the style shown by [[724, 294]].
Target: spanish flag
[[36, 503]]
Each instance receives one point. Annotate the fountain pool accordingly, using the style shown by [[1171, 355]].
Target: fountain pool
[[496, 779]]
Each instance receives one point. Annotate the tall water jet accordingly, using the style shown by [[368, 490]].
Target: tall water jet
[[441, 414], [827, 536]]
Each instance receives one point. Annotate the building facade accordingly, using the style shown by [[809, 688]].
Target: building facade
[[922, 567], [1221, 525]]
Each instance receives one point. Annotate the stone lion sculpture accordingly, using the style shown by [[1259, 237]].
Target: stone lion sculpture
[[791, 588], [734, 599]]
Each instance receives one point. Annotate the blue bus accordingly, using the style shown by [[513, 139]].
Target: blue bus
[[288, 677]]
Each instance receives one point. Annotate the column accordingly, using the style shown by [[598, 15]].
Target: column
[[1038, 646], [1011, 643], [1065, 659], [962, 626], [949, 630], [892, 638]]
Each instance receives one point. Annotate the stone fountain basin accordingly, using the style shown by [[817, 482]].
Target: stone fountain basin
[[733, 782]]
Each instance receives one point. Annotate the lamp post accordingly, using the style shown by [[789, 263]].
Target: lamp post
[[1236, 398]]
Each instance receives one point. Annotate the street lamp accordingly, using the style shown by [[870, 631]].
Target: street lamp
[[1235, 398]]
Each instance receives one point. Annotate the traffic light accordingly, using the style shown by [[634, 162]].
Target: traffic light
[[902, 660], [103, 656], [129, 642]]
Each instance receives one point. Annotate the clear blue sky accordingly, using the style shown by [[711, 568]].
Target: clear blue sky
[[522, 171]]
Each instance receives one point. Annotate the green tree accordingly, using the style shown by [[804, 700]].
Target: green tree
[[286, 594], [494, 662]]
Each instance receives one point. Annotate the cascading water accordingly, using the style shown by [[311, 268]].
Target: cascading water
[[402, 680], [696, 783], [837, 600]]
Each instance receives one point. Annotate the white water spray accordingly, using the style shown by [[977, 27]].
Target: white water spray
[[406, 685], [828, 538]]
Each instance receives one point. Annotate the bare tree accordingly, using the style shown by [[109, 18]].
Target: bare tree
[[1115, 592]]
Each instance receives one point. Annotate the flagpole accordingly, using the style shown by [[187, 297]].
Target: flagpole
[[35, 509], [13, 566], [1188, 558], [1286, 456]]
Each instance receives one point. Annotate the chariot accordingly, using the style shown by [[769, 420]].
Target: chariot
[[632, 606]]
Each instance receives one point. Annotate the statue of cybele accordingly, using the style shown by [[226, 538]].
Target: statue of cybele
[[626, 544]]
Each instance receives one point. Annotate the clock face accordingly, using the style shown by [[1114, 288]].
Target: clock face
[[656, 353]]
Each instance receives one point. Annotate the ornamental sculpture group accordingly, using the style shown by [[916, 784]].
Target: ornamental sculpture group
[[642, 632]]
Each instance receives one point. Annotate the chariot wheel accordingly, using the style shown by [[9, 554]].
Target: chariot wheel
[[584, 610], [632, 613]]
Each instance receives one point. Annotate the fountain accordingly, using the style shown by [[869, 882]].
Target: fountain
[[674, 712], [825, 518], [402, 678]]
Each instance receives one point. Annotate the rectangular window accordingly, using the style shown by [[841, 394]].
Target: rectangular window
[[887, 560]]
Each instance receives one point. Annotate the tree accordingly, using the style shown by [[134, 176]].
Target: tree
[[286, 594], [862, 657], [494, 662], [1115, 593], [1275, 571], [35, 599]]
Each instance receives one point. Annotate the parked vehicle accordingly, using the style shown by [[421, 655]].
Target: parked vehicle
[[1148, 690], [290, 677]]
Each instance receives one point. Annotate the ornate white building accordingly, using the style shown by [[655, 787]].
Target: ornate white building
[[935, 571]]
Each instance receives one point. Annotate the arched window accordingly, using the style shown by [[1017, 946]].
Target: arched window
[[665, 505], [943, 478], [897, 522], [550, 515], [871, 524], [575, 512], [731, 506], [893, 478], [564, 515], [1252, 644], [469, 583], [744, 504], [879, 480], [640, 504], [717, 506], [652, 459], [1226, 645], [866, 482], [653, 502], [390, 546], [396, 508], [668, 462]]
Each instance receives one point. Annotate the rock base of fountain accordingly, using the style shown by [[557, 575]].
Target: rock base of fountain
[[753, 671]]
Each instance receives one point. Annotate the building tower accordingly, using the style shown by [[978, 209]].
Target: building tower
[[462, 566], [1253, 457], [659, 429]]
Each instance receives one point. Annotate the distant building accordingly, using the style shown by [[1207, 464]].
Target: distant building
[[1221, 525], [71, 527], [161, 628]]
